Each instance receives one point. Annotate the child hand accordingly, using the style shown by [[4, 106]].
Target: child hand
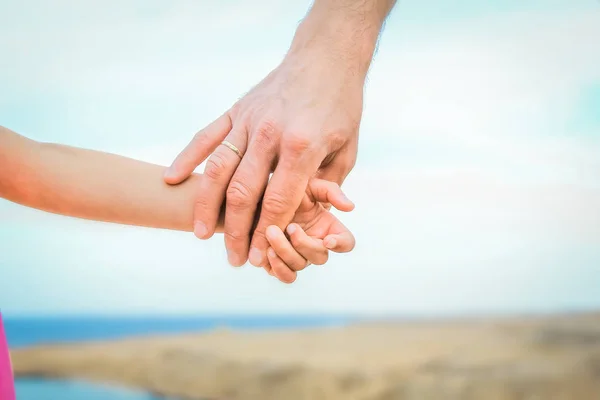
[[313, 232]]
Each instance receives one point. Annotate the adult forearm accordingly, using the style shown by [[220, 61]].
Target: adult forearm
[[343, 31], [93, 185]]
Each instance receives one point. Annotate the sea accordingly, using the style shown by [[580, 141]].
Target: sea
[[28, 331]]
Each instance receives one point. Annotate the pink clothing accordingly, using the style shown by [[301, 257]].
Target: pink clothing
[[7, 385]]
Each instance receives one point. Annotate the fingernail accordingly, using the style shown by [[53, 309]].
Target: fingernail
[[255, 257], [234, 259], [291, 229], [200, 230], [331, 243], [347, 200], [271, 252]]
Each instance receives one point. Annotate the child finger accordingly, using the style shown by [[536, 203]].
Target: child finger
[[340, 243], [284, 249], [279, 269], [310, 248]]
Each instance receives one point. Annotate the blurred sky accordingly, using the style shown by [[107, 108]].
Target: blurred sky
[[477, 185]]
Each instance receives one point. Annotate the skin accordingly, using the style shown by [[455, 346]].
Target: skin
[[110, 188], [301, 122], [314, 231]]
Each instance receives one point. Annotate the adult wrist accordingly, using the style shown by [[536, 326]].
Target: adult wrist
[[339, 34]]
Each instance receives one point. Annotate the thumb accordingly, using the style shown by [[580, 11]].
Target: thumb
[[199, 148], [329, 192], [342, 163], [343, 242]]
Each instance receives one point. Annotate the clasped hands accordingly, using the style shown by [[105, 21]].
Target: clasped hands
[[300, 124]]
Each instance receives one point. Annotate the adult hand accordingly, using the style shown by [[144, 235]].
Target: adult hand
[[301, 121]]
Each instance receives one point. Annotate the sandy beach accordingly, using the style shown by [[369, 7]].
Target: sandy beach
[[551, 357]]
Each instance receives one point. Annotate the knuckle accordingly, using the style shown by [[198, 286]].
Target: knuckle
[[215, 166], [201, 205], [235, 235], [268, 127], [337, 139], [259, 236], [297, 144], [267, 134], [239, 195], [275, 204]]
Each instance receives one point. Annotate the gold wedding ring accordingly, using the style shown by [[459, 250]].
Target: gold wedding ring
[[232, 147]]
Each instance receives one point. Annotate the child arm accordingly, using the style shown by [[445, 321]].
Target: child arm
[[106, 187], [92, 185]]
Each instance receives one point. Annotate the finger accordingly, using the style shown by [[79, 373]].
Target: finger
[[280, 270], [329, 192], [200, 147], [282, 197], [341, 242], [313, 250], [284, 249], [341, 164], [220, 167], [244, 194]]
